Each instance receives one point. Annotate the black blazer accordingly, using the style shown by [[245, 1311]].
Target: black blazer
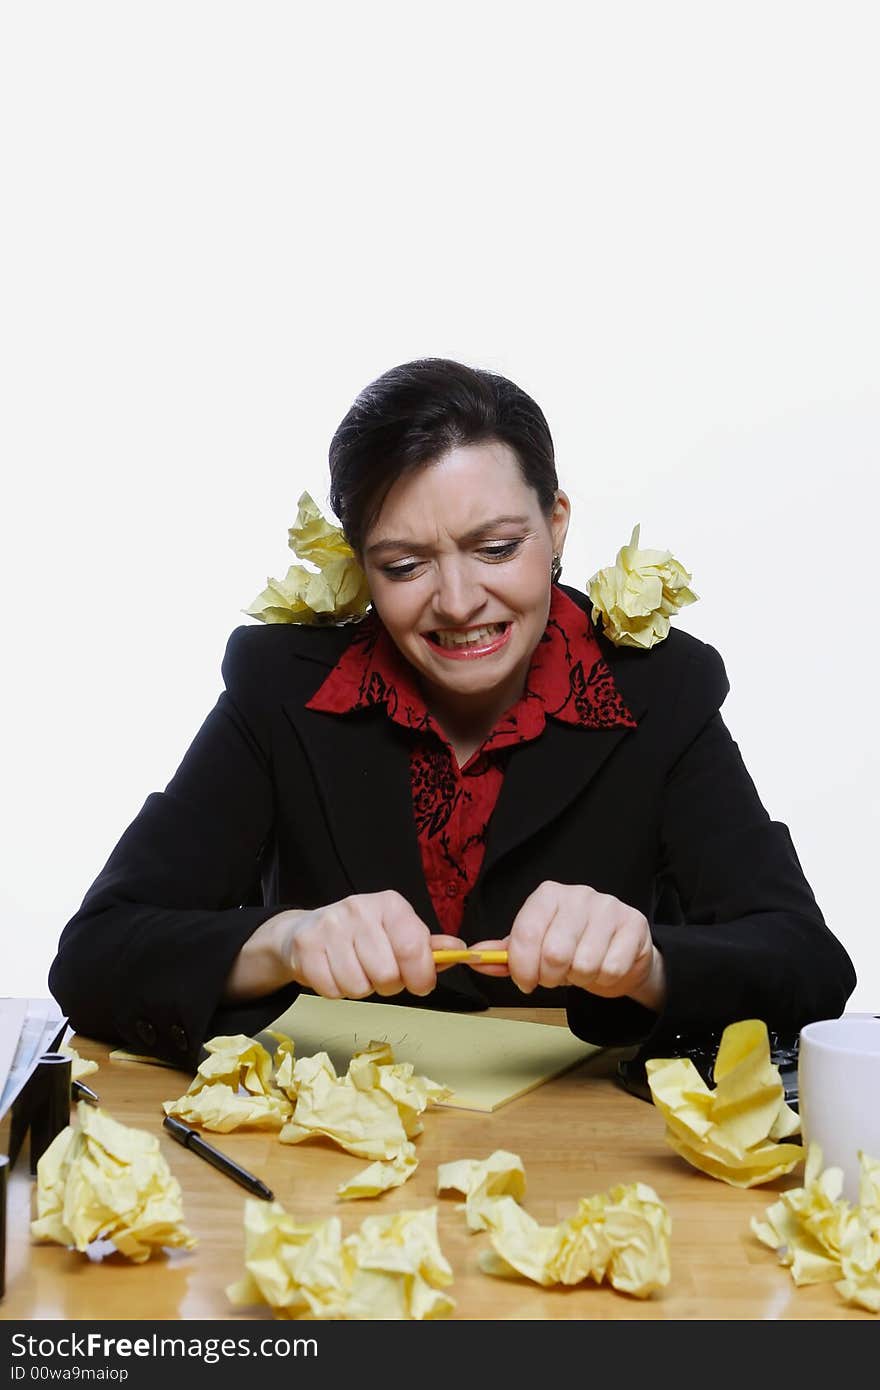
[[278, 806]]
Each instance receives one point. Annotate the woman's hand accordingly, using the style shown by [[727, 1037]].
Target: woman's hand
[[365, 944], [568, 934]]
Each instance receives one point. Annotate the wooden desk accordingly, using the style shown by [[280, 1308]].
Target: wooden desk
[[577, 1135]]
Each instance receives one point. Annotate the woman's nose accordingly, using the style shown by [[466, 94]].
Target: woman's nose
[[458, 595]]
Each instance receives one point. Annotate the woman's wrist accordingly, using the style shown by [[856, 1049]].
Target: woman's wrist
[[264, 962]]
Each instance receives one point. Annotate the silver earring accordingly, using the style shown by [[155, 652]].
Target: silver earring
[[556, 569]]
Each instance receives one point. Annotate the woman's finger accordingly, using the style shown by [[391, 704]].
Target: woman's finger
[[499, 970], [410, 943], [627, 960], [378, 961], [527, 935], [321, 977], [447, 943], [348, 972], [599, 950], [559, 945]]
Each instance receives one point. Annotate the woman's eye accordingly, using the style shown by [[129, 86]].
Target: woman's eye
[[500, 551], [402, 571]]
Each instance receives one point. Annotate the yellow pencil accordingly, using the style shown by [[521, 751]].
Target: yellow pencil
[[479, 957]]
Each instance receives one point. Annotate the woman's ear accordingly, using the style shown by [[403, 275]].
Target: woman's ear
[[559, 519]]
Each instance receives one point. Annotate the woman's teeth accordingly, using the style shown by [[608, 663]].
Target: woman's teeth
[[475, 637]]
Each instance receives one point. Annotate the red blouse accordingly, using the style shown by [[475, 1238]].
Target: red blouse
[[568, 679]]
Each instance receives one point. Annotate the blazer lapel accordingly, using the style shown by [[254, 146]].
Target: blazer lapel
[[542, 778], [361, 766]]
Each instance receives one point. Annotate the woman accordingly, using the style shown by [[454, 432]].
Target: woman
[[474, 762]]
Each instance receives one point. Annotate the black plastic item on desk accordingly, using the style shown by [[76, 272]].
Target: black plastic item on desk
[[42, 1107], [51, 1111], [221, 1161], [702, 1051], [4, 1169]]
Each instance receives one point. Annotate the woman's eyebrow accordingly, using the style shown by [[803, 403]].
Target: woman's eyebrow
[[472, 535]]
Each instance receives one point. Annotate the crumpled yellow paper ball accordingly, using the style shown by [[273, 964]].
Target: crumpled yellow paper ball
[[236, 1060], [821, 1238], [101, 1180], [622, 1236], [283, 1061], [379, 1177], [373, 1111], [481, 1181], [731, 1132], [233, 1088], [220, 1109], [336, 591], [79, 1066], [392, 1267], [637, 595]]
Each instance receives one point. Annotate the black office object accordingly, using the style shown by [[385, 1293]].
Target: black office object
[[702, 1049], [51, 1112], [41, 1108], [191, 1140]]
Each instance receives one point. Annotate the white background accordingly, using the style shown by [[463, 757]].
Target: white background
[[221, 221]]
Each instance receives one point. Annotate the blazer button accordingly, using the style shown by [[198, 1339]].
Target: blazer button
[[146, 1032], [179, 1038]]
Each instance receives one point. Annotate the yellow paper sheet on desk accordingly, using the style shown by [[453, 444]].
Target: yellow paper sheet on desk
[[119, 1054], [485, 1062]]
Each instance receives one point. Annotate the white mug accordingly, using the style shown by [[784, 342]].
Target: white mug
[[839, 1092]]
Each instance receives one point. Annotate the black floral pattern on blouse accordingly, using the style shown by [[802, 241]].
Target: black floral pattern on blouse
[[435, 790], [594, 697]]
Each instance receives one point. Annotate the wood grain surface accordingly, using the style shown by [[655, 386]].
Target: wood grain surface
[[577, 1135]]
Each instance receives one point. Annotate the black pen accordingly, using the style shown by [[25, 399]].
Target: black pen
[[80, 1092], [191, 1140]]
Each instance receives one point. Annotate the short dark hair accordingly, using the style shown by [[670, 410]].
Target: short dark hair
[[415, 413]]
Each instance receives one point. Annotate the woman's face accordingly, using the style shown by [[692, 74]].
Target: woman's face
[[458, 562]]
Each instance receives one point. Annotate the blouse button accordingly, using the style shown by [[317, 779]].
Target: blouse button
[[452, 890]]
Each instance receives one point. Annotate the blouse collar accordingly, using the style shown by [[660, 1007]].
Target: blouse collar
[[568, 680]]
